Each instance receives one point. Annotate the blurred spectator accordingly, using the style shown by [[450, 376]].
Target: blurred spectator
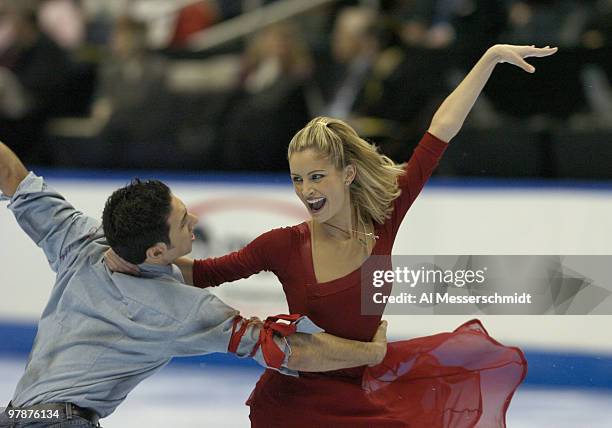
[[275, 53], [548, 22], [370, 80], [467, 27], [354, 49], [131, 97], [198, 16], [270, 106], [597, 74], [131, 70], [557, 91], [598, 31], [192, 19], [34, 79], [63, 21]]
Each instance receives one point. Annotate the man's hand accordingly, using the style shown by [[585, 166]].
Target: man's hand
[[516, 55], [12, 171], [117, 264], [380, 343]]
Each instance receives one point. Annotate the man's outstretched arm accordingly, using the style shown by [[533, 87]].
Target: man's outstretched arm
[[43, 214], [287, 343], [12, 171]]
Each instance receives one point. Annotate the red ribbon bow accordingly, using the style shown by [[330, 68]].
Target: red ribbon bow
[[272, 354]]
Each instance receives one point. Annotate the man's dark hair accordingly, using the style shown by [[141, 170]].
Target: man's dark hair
[[135, 218]]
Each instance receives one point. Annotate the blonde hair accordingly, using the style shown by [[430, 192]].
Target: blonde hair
[[375, 185]]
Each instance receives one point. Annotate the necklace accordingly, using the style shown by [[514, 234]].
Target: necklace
[[369, 235]]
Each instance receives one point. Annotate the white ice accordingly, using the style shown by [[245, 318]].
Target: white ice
[[212, 396]]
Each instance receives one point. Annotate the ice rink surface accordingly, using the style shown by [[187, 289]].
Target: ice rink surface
[[214, 396]]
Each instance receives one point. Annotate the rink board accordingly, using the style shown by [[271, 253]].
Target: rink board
[[450, 217]]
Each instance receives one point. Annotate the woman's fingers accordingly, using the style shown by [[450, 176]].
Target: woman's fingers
[[130, 268], [117, 264], [540, 52], [381, 333], [516, 55], [112, 262], [537, 53], [517, 59]]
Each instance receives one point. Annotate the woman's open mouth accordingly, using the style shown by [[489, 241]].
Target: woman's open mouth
[[316, 204]]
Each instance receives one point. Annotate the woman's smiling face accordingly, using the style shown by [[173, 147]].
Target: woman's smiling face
[[319, 185]]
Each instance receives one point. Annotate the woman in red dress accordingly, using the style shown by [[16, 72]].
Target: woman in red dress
[[357, 199]]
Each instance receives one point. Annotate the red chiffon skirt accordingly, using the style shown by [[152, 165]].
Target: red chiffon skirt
[[462, 379]]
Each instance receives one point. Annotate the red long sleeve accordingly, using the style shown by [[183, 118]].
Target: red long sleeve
[[268, 252], [418, 170]]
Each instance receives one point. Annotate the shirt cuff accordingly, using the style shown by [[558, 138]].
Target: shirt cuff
[[303, 325], [31, 183]]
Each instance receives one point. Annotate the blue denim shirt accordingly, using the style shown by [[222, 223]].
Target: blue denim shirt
[[103, 333]]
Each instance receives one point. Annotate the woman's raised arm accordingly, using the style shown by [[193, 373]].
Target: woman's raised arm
[[449, 118]]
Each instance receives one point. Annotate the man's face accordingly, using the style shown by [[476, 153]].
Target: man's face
[[181, 224]]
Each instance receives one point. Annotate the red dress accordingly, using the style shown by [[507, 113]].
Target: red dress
[[460, 379]]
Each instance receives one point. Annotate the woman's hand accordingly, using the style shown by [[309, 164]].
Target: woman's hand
[[380, 341], [516, 55], [117, 264]]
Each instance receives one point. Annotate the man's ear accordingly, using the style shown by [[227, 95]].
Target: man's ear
[[156, 252]]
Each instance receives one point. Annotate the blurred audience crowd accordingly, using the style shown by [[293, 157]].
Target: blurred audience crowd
[[128, 83]]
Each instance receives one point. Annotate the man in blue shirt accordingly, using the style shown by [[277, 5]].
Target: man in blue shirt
[[102, 333]]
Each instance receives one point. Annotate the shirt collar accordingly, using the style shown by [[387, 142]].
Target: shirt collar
[[153, 270]]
